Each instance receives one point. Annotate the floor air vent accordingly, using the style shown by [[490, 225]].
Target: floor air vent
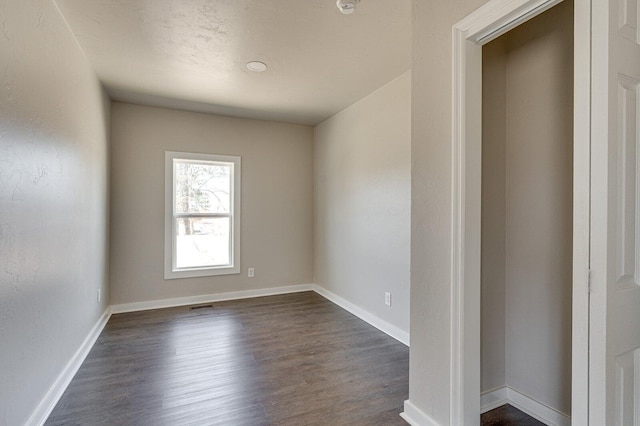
[[200, 307]]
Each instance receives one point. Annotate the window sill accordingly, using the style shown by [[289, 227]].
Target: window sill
[[170, 274]]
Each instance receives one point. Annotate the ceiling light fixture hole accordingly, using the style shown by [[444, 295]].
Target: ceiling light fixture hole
[[257, 66]]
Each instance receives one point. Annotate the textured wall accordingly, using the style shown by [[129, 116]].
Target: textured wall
[[494, 174], [53, 202], [362, 204], [277, 200], [431, 71], [527, 209], [539, 209]]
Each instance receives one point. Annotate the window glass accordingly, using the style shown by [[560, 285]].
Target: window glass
[[202, 225]]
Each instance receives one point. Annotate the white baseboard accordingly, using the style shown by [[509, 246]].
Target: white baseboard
[[493, 399], [415, 417], [393, 331], [537, 410], [53, 395], [208, 298]]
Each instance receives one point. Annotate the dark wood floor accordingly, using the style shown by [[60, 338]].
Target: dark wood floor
[[508, 415], [282, 360]]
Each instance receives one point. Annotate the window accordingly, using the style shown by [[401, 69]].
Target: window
[[202, 215]]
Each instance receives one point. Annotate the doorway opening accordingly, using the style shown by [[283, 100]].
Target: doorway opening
[[527, 218], [492, 20]]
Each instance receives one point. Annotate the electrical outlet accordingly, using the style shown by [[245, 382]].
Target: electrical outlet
[[251, 272], [387, 298], [99, 295]]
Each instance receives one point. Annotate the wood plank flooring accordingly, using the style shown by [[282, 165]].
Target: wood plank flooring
[[508, 415], [281, 360]]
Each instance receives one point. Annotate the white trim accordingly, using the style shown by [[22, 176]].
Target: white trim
[[507, 395], [581, 212], [170, 271], [485, 24], [208, 298], [498, 17], [415, 417], [536, 409], [389, 329], [55, 392], [493, 399]]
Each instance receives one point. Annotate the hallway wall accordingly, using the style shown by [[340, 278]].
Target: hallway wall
[[54, 192]]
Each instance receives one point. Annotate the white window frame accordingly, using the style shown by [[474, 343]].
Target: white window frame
[[170, 270]]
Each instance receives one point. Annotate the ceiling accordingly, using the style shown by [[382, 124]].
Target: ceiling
[[192, 54]]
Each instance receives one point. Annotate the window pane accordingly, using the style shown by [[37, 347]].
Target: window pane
[[202, 242], [202, 188]]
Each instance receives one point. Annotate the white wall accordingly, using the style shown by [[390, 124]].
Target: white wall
[[539, 209], [53, 202], [429, 368], [494, 174], [527, 209], [277, 200], [362, 202]]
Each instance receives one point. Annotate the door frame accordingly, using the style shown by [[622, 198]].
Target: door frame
[[490, 21]]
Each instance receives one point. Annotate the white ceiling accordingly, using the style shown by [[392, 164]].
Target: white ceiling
[[192, 54]]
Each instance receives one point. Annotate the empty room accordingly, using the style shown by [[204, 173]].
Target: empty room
[[205, 212], [371, 212]]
